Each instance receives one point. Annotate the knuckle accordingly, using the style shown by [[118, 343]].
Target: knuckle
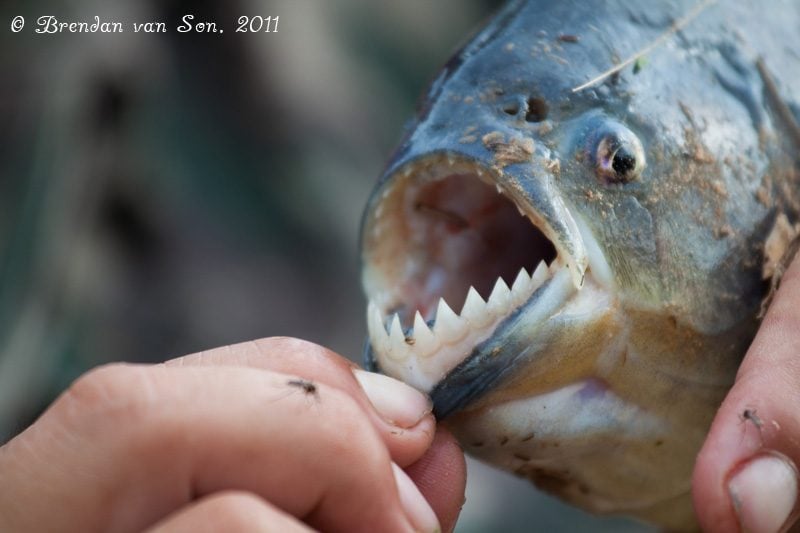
[[235, 510], [292, 345], [109, 390]]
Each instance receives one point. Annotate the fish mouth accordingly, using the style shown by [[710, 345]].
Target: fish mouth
[[446, 233]]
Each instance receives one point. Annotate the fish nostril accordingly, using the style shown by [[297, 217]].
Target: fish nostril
[[537, 109], [511, 108]]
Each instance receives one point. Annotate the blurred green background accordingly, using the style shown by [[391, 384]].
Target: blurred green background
[[166, 193]]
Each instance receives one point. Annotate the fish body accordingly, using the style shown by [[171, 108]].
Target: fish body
[[638, 205]]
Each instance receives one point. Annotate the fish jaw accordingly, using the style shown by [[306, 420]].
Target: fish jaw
[[564, 414], [446, 233], [560, 441]]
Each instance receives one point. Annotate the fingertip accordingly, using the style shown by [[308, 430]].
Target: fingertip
[[756, 420], [763, 492], [441, 475], [416, 506], [711, 503], [399, 404]]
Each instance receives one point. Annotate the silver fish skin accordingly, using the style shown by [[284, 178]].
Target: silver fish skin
[[639, 207]]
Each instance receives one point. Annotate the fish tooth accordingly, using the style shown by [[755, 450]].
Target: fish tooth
[[474, 310], [521, 212], [377, 331], [451, 160], [425, 342], [540, 274], [479, 172], [374, 320], [519, 288], [449, 327], [397, 340], [500, 299], [499, 188]]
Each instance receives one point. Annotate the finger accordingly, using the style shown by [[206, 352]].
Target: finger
[[232, 512], [441, 475], [401, 415], [746, 477], [126, 445]]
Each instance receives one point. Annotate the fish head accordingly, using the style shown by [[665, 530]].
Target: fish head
[[532, 262]]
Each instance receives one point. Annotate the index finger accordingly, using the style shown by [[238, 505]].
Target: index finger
[[401, 414]]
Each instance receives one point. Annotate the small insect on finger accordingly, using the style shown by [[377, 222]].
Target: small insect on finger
[[307, 386], [308, 389], [752, 416]]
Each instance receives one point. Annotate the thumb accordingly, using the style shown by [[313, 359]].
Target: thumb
[[441, 477], [746, 477]]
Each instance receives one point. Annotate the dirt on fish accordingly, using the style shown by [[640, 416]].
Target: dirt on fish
[[778, 243], [508, 152], [779, 250]]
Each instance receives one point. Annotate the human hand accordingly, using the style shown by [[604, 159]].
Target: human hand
[[271, 435], [745, 478]]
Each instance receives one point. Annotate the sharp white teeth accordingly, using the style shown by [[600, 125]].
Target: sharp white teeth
[[479, 172], [540, 274], [397, 340], [474, 310], [499, 188], [449, 327], [424, 355], [500, 299], [377, 331], [425, 342], [520, 288], [451, 160]]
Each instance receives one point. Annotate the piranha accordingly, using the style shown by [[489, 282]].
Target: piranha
[[567, 249]]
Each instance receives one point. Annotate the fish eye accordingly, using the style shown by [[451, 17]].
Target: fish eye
[[619, 156]]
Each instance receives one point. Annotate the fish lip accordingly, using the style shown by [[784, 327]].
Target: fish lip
[[435, 166], [526, 337]]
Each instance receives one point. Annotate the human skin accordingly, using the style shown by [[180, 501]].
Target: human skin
[[272, 435], [745, 478]]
